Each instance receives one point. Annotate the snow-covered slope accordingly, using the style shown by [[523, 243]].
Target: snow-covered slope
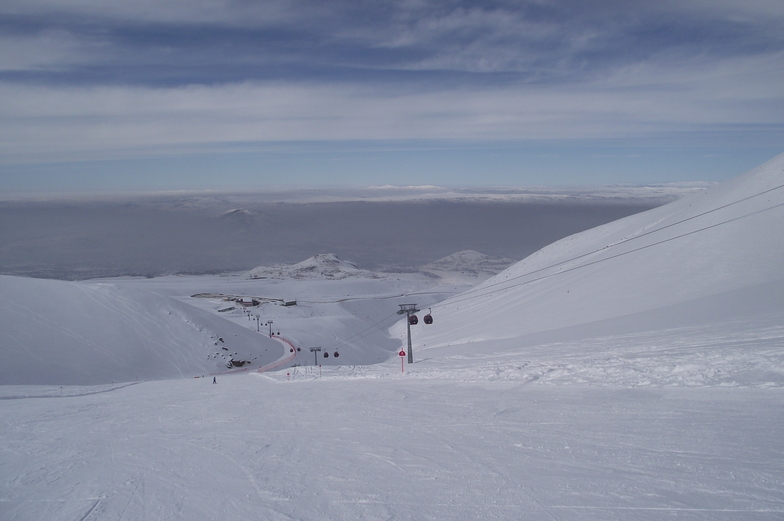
[[708, 257], [129, 329], [57, 332], [320, 266]]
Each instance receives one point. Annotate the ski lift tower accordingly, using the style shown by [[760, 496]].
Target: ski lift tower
[[407, 310]]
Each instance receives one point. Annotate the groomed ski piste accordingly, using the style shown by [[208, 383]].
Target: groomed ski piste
[[634, 371]]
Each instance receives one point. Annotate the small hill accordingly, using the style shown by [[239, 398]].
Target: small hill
[[57, 332], [468, 263], [238, 217], [97, 332], [321, 266]]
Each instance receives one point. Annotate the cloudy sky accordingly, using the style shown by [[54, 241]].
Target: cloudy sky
[[104, 95]]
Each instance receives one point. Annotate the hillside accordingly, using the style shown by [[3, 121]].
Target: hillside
[[83, 333], [320, 266], [709, 257]]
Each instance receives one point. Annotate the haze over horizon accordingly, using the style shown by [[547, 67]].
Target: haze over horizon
[[147, 96]]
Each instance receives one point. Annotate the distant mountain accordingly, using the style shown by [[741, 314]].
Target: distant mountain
[[238, 217], [468, 263], [320, 266]]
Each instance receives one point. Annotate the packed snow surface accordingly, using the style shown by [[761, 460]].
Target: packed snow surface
[[634, 371], [389, 446]]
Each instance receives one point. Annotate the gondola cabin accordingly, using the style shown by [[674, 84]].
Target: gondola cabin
[[428, 318], [413, 320]]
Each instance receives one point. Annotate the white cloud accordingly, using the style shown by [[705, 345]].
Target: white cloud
[[48, 50], [739, 10], [49, 123], [670, 87], [227, 12]]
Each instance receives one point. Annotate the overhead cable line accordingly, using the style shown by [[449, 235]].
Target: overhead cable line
[[361, 334], [484, 293], [624, 241]]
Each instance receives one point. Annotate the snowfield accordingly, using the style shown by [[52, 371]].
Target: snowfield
[[254, 447], [634, 371]]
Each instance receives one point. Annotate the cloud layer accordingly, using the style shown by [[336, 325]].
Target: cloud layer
[[87, 80]]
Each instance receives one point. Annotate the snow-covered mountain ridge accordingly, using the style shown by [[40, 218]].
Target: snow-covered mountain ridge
[[328, 266], [320, 266]]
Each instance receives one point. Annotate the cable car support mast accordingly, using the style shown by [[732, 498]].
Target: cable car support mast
[[408, 310]]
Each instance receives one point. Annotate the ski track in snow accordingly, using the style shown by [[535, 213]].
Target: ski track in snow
[[395, 447], [287, 357]]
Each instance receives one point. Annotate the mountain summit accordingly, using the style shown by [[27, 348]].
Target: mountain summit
[[320, 266]]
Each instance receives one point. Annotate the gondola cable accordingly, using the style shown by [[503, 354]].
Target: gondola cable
[[362, 334], [484, 288], [601, 260], [481, 292]]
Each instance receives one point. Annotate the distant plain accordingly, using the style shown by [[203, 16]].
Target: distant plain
[[153, 236]]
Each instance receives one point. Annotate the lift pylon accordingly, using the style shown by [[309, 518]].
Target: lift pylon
[[408, 310]]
